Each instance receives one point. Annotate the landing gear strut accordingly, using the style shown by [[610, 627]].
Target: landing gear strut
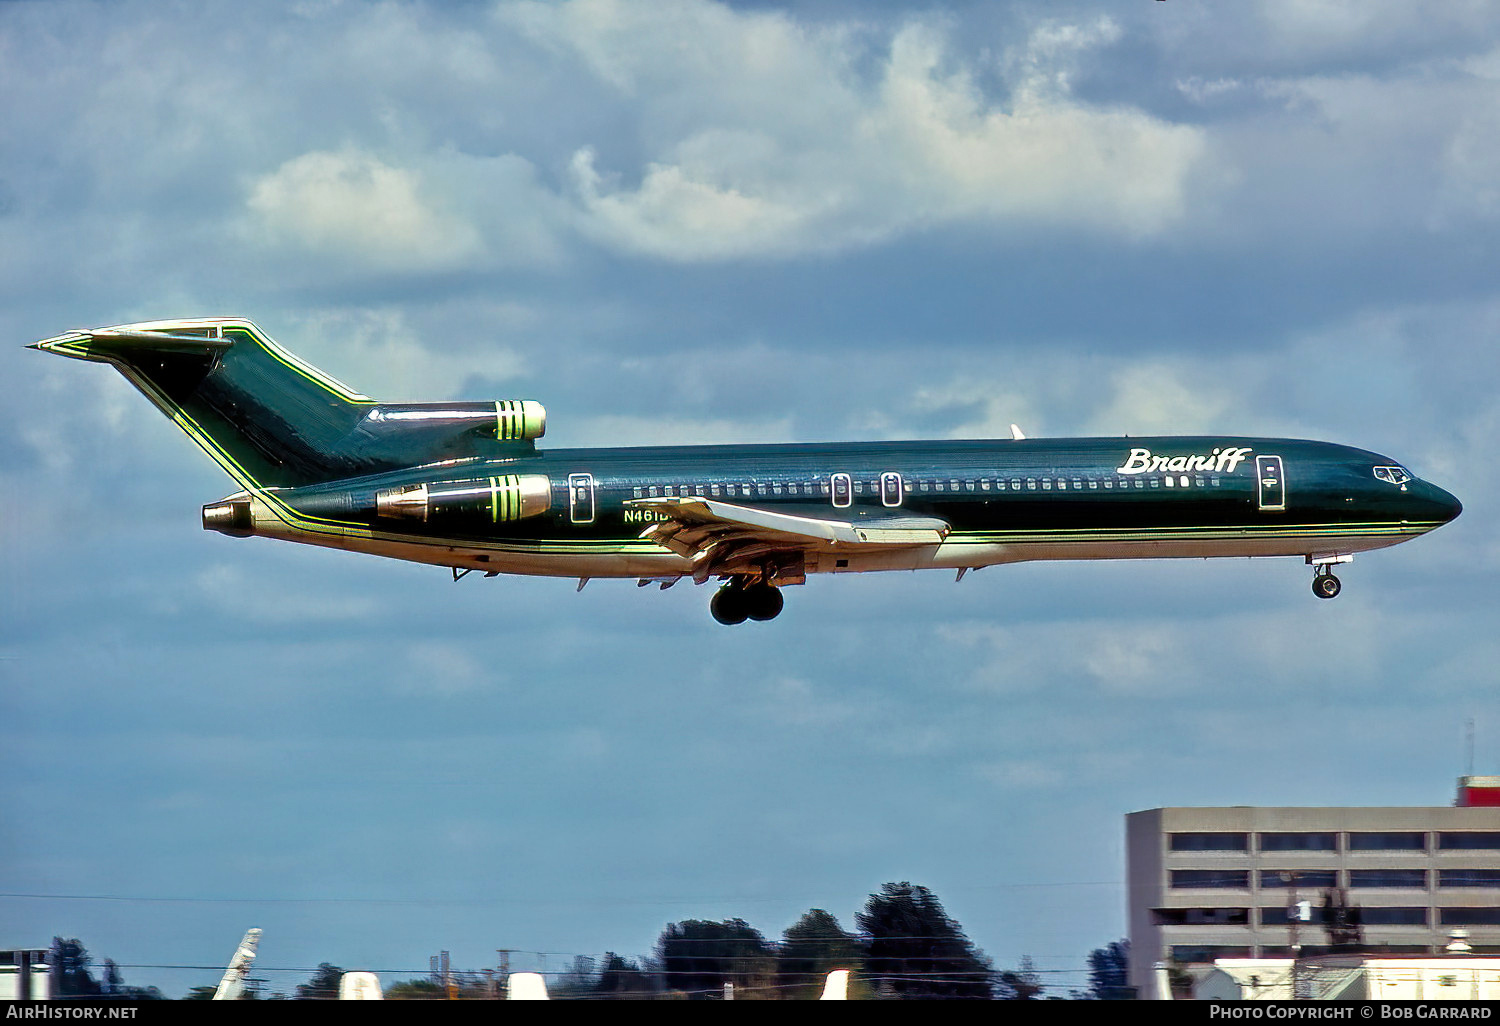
[[742, 600]]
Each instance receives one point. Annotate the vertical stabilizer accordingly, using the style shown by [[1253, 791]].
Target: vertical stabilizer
[[274, 421]]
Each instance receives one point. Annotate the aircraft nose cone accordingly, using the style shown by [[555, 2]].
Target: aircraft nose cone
[[1447, 503]]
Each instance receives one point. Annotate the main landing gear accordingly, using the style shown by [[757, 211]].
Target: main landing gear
[[744, 599], [1324, 584]]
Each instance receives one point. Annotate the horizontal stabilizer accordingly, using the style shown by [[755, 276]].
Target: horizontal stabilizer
[[84, 343]]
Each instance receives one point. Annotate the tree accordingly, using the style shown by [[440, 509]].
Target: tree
[[915, 950], [578, 981], [1022, 983], [416, 990], [698, 957], [622, 978], [1109, 972], [70, 976], [324, 985], [811, 948]]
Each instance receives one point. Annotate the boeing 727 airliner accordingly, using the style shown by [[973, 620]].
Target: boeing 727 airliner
[[464, 485]]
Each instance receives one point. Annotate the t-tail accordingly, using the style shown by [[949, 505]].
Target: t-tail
[[273, 421]]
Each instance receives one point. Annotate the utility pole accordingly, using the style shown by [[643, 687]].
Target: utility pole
[[503, 988]]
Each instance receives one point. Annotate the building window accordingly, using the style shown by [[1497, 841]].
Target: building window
[[1201, 916], [1210, 842], [1297, 842], [1382, 841], [1388, 878], [1469, 878], [1206, 952], [1214, 878], [1303, 878], [1468, 840], [1470, 916], [1393, 916]]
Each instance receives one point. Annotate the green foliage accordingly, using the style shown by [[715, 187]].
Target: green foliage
[[811, 948], [200, 994], [1109, 971], [324, 985], [698, 957], [916, 951], [1022, 983], [623, 978], [415, 990], [70, 969]]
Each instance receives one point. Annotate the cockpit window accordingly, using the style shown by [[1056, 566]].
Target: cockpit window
[[1393, 475]]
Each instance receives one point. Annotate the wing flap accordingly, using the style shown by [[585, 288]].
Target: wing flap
[[713, 535], [709, 515]]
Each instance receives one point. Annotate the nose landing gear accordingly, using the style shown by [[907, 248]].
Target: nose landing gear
[[744, 599], [1324, 584]]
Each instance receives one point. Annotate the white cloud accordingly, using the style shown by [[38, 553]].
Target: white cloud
[[379, 352], [352, 205], [765, 141], [638, 430], [1160, 397], [442, 669], [1166, 657]]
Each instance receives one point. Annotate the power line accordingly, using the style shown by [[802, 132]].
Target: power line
[[470, 903]]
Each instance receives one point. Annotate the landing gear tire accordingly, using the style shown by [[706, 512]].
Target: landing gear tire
[[729, 606], [1326, 586], [763, 601]]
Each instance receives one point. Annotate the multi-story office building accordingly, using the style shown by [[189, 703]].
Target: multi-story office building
[[1212, 883]]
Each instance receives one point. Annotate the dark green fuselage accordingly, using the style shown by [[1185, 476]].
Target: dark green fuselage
[[464, 484], [1004, 500]]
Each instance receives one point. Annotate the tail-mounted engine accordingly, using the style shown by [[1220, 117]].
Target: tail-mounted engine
[[486, 499], [397, 434]]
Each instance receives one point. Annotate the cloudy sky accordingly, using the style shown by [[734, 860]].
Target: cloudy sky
[[694, 221]]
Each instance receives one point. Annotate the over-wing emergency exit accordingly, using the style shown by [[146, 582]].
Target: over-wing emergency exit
[[464, 485]]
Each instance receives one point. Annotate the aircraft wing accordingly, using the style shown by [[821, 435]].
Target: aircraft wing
[[716, 535]]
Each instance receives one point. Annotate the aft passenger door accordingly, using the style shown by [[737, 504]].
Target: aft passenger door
[[1270, 483]]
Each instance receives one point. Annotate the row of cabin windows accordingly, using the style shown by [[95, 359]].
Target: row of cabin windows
[[1312, 879], [1202, 953], [929, 486], [1279, 915], [1354, 840]]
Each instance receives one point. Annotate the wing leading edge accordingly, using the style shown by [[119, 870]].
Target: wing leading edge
[[717, 537]]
